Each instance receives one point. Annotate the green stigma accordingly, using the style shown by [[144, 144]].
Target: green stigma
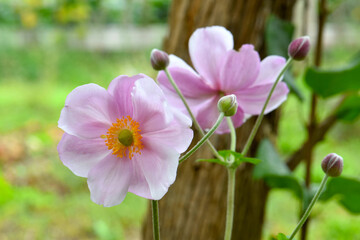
[[126, 137]]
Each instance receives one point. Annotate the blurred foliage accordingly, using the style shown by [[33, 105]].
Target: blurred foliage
[[336, 81], [278, 35], [32, 13], [347, 190], [274, 170], [345, 11]]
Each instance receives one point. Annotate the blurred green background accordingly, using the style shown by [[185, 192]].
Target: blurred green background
[[47, 48]]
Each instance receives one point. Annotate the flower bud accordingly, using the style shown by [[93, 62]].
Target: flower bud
[[159, 59], [228, 105], [299, 48], [332, 165]]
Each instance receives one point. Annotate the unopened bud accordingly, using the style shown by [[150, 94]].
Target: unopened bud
[[228, 105], [299, 48], [159, 59], [332, 165]]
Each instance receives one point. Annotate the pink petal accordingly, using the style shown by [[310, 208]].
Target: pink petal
[[109, 180], [181, 118], [270, 68], [151, 109], [209, 113], [81, 155], [239, 69], [175, 61], [159, 165], [174, 100], [238, 119], [207, 47], [253, 99], [139, 184], [176, 135], [194, 89], [120, 88], [89, 111], [191, 85]]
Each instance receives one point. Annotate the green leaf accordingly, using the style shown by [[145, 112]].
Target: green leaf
[[213, 160], [327, 83], [308, 194], [239, 158], [227, 153], [285, 182], [271, 164], [281, 236], [274, 170], [278, 35], [349, 110], [294, 88], [346, 190], [249, 160]]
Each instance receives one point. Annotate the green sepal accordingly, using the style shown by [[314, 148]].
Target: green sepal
[[238, 158]]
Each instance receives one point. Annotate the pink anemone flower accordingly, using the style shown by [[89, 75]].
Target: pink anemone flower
[[220, 71], [123, 139]]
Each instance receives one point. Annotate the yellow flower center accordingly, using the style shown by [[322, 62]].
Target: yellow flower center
[[123, 137]]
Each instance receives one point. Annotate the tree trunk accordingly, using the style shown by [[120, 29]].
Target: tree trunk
[[195, 206]]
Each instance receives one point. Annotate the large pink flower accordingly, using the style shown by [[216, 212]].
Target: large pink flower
[[124, 139], [220, 71]]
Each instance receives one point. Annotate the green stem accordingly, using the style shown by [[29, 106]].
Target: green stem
[[260, 117], [231, 184], [232, 134], [197, 125], [155, 219], [203, 139], [311, 205], [230, 203]]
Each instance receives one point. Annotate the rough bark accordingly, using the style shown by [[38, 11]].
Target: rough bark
[[195, 206]]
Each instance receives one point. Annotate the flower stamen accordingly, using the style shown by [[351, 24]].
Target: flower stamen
[[124, 138]]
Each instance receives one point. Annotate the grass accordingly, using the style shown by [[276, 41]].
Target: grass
[[42, 199]]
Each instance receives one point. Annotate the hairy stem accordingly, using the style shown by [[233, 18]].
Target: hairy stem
[[260, 117], [311, 205], [155, 219], [230, 203]]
